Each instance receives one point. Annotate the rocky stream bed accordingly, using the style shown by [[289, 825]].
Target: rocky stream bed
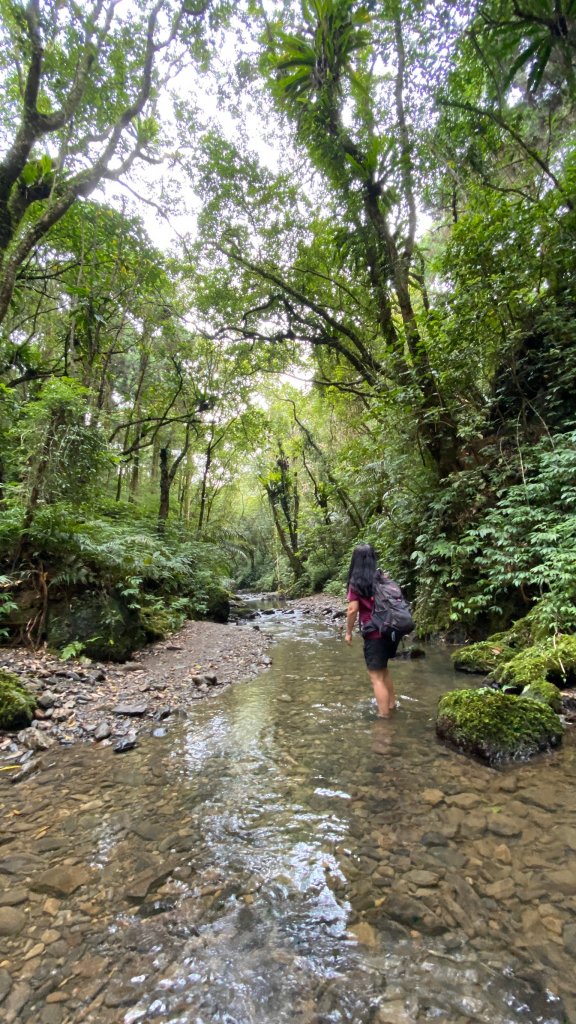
[[278, 854], [110, 703]]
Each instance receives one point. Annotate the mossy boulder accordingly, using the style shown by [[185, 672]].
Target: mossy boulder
[[106, 627], [495, 726], [218, 605], [156, 622], [16, 703], [552, 661], [545, 692], [482, 658]]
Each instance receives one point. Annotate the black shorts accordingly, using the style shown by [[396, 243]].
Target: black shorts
[[378, 652]]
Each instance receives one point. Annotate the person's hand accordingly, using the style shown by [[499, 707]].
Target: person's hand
[[348, 639]]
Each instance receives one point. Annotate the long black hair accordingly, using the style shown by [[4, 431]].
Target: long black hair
[[362, 568]]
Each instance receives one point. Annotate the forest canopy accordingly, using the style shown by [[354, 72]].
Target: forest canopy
[[276, 278]]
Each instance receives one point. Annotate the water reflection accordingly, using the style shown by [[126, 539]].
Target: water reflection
[[285, 856]]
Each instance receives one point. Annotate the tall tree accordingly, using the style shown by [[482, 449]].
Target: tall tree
[[81, 84]]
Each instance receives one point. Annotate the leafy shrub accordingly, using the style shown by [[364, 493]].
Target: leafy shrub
[[125, 561], [496, 540]]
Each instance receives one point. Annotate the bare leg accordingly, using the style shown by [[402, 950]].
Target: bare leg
[[383, 690]]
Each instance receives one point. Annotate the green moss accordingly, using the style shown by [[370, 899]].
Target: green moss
[[105, 625], [160, 620], [156, 623], [496, 726], [545, 692], [552, 661], [483, 657], [16, 703]]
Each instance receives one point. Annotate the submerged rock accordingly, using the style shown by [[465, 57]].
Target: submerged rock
[[126, 743], [496, 726]]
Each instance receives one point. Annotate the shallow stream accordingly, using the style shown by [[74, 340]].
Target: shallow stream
[[282, 856]]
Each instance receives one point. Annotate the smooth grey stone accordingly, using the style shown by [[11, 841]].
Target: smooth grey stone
[[12, 921], [126, 743], [5, 983], [13, 897], [132, 710]]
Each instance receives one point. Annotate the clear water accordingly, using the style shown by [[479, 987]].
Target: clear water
[[283, 856]]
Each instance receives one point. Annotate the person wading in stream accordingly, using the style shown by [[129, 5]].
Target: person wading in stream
[[378, 649]]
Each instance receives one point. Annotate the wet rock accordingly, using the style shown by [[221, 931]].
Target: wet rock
[[121, 995], [423, 879], [152, 908], [102, 731], [364, 933], [567, 835], [412, 913], [5, 983], [433, 796], [553, 924], [146, 882], [126, 743], [503, 889], [564, 880], [19, 864], [132, 710], [449, 856], [90, 967], [46, 700], [502, 853], [13, 897], [35, 740], [569, 939], [12, 921], [16, 1001], [51, 906], [48, 843], [60, 880], [473, 824], [466, 801], [52, 1014], [393, 1012], [26, 771], [546, 796], [36, 950], [434, 839], [503, 826]]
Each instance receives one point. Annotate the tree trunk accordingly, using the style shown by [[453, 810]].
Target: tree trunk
[[165, 482]]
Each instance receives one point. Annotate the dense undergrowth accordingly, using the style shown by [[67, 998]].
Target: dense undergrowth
[[144, 584]]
